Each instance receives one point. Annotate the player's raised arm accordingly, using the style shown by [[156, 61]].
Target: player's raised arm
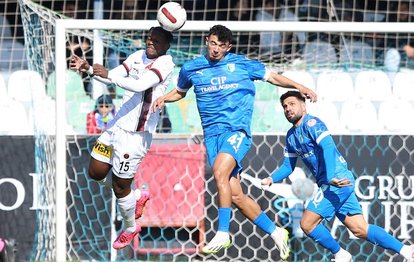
[[79, 64], [280, 80], [173, 96]]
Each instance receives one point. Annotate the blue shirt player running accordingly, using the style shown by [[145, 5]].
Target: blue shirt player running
[[310, 140], [224, 88]]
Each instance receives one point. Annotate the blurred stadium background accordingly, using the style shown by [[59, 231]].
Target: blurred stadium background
[[365, 85]]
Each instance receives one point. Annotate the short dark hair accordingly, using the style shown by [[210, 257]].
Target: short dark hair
[[167, 34], [296, 94], [223, 33]]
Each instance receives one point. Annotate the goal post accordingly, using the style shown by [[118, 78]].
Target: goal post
[[196, 26]]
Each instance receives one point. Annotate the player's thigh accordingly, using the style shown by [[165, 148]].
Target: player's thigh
[[322, 203], [309, 220], [98, 170], [101, 157], [130, 148], [351, 216], [357, 225]]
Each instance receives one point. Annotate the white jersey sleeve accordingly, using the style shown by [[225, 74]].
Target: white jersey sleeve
[[135, 115]]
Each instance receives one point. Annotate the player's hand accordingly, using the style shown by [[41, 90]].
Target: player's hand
[[309, 94], [266, 183], [100, 70], [343, 182], [159, 103], [78, 64]]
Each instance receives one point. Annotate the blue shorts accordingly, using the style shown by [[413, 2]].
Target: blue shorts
[[234, 143], [332, 201]]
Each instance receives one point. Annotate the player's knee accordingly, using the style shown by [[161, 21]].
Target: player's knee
[[220, 178], [306, 226], [359, 232]]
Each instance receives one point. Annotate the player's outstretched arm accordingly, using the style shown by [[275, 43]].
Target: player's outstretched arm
[[173, 96], [79, 64], [280, 80]]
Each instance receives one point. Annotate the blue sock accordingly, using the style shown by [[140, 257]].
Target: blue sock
[[264, 223], [378, 236], [224, 214], [322, 236]]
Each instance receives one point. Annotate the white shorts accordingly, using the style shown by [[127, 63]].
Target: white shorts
[[122, 149]]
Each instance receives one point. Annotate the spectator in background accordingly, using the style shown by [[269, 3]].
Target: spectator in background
[[270, 42], [241, 10], [78, 45], [97, 120], [131, 39], [400, 46]]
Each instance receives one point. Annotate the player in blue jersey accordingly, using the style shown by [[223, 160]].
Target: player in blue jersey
[[310, 140], [224, 88]]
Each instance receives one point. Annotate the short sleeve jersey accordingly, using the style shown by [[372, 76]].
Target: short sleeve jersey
[[303, 141], [135, 114], [224, 91]]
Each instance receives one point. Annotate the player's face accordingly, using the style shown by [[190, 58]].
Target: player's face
[[216, 50], [156, 45], [294, 110]]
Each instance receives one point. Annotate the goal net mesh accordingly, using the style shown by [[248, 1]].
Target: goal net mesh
[[182, 215]]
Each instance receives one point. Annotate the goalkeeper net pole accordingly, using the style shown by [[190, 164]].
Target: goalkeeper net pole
[[46, 39], [63, 25]]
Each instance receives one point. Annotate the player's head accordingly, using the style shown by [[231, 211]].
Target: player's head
[[158, 42], [218, 42], [294, 106]]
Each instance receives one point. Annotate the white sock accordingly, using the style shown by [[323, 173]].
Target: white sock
[[127, 210], [106, 182], [406, 252]]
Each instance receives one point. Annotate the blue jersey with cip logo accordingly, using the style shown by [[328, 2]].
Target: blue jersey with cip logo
[[304, 142], [224, 91]]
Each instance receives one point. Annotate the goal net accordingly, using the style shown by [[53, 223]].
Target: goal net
[[80, 221]]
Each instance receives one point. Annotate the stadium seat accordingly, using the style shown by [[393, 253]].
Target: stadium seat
[[3, 88], [268, 117], [359, 116], [26, 85], [301, 77], [193, 120], [176, 117], [74, 86], [392, 116], [319, 53], [328, 112], [357, 53], [403, 86], [12, 52], [15, 118], [76, 112], [336, 86], [265, 91], [373, 85]]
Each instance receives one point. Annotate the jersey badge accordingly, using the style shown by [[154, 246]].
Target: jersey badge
[[311, 122], [231, 67]]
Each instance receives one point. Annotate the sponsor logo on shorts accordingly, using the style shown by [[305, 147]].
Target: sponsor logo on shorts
[[102, 149]]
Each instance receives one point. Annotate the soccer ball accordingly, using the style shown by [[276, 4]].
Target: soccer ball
[[303, 188], [171, 16]]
